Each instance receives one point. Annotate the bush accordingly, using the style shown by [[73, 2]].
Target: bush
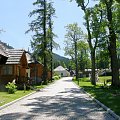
[[74, 78], [56, 77], [11, 87]]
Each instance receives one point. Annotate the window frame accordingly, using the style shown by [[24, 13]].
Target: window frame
[[7, 70]]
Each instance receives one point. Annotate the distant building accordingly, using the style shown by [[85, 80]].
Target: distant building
[[61, 71]]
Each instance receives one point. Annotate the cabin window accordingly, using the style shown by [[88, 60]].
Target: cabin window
[[18, 71], [7, 70]]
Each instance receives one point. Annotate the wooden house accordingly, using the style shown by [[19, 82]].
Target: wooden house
[[35, 69], [19, 65], [13, 67]]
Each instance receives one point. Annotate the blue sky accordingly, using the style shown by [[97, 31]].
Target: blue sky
[[14, 21]]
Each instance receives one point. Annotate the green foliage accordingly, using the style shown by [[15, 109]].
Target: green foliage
[[56, 74], [74, 78], [41, 26], [102, 59], [92, 23], [60, 60], [11, 87], [74, 34], [42, 41], [57, 77], [83, 55], [107, 95]]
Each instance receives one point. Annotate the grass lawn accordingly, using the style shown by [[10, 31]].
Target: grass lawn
[[6, 98], [107, 95]]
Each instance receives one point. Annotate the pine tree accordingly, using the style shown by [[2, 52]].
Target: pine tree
[[42, 40]]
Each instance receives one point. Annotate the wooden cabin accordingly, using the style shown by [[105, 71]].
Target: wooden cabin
[[19, 65], [14, 67], [35, 69]]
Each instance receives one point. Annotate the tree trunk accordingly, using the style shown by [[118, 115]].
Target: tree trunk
[[45, 45], [112, 46], [51, 66], [93, 79], [76, 61], [114, 67]]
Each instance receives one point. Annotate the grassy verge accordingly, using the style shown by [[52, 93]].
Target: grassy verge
[[6, 98], [107, 95]]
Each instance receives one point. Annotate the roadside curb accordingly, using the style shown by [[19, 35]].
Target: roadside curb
[[100, 104]]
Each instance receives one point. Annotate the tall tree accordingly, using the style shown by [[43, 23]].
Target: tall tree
[[110, 20], [40, 41], [92, 23], [51, 13], [112, 42], [73, 35], [45, 42]]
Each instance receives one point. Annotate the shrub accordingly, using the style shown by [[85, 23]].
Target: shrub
[[74, 78], [59, 76], [56, 77], [11, 87]]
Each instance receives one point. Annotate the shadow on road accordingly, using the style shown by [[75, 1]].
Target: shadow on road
[[71, 104]]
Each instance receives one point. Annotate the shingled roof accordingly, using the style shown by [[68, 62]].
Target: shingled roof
[[29, 58], [3, 51], [14, 56]]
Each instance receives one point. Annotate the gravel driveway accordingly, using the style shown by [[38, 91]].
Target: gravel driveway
[[62, 100]]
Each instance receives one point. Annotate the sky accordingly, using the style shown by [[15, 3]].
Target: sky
[[14, 21]]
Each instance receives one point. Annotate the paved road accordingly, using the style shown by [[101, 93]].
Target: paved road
[[62, 100]]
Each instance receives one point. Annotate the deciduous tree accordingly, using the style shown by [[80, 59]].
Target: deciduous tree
[[92, 22], [112, 41], [73, 35]]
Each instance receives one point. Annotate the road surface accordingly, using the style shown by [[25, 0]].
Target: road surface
[[62, 100]]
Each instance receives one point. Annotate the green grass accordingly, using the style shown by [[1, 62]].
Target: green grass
[[107, 95], [6, 98], [40, 86], [104, 78]]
